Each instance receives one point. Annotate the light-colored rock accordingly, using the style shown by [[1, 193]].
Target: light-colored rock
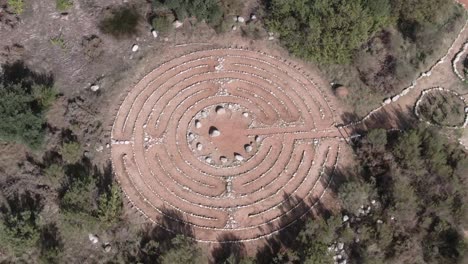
[[199, 146], [245, 114], [387, 100], [220, 110], [214, 132], [198, 124], [345, 218], [271, 38], [340, 246], [94, 239], [223, 159], [248, 148], [234, 28], [94, 88], [177, 24], [208, 160], [240, 19], [253, 17], [107, 247], [99, 148], [238, 157], [379, 221], [154, 33], [135, 48], [395, 98]]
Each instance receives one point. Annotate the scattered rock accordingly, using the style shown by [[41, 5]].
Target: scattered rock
[[234, 28], [387, 101], [177, 24], [379, 221], [340, 246], [220, 110], [107, 247], [223, 159], [99, 148], [198, 124], [94, 239], [253, 17], [245, 114], [199, 146], [240, 19], [214, 132], [248, 148], [238, 157], [135, 48], [345, 218], [271, 38], [155, 33], [208, 160], [395, 98], [107, 145], [94, 87]]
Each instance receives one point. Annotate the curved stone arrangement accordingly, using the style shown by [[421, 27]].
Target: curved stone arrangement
[[440, 89], [232, 141], [458, 60]]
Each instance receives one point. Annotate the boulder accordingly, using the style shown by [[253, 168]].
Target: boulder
[[155, 33], [94, 239], [177, 24], [135, 48], [94, 88]]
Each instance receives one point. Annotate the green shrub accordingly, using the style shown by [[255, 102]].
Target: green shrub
[[122, 22], [183, 251], [208, 10], [110, 205], [16, 5], [59, 42], [44, 95], [55, 174], [79, 198], [443, 108], [71, 152], [327, 31], [21, 116], [161, 23], [63, 5]]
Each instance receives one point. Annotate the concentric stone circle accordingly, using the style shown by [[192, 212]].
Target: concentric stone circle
[[226, 142]]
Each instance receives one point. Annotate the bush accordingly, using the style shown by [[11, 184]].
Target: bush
[[209, 10], [161, 23], [122, 22], [71, 152], [183, 251], [326, 31], [354, 194], [110, 205], [63, 5], [17, 6], [443, 108]]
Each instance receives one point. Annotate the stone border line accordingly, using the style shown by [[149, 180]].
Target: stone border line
[[440, 89]]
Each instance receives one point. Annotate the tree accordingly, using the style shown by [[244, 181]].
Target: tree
[[209, 10], [110, 205], [183, 251], [355, 194], [327, 31]]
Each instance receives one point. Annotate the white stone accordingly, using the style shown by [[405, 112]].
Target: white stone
[[94, 88], [258, 139], [340, 246], [395, 98], [248, 148], [208, 159], [240, 19], [387, 101], [373, 201], [379, 221], [234, 28], [345, 218], [199, 146], [215, 132], [107, 145], [238, 157], [245, 114], [94, 239], [223, 159], [135, 48], [253, 17], [177, 24], [155, 33], [220, 110], [99, 148], [198, 124], [271, 38], [405, 91]]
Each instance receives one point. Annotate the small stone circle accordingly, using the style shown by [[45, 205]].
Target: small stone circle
[[225, 141]]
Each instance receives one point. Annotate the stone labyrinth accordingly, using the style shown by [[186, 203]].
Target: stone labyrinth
[[229, 142]]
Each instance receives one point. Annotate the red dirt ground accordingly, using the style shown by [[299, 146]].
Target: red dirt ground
[[266, 111]]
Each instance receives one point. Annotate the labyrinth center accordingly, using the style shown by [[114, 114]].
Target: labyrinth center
[[227, 142]]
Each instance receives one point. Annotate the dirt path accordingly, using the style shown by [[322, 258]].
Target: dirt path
[[400, 107]]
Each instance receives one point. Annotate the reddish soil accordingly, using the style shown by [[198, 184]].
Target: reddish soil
[[178, 135]]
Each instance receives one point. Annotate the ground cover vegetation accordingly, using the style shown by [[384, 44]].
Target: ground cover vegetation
[[372, 47], [443, 108]]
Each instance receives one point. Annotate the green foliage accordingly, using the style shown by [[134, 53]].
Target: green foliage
[[184, 251], [443, 108], [63, 5], [71, 152], [121, 23], [208, 10], [44, 95], [355, 194], [19, 223], [55, 174], [59, 42], [326, 31], [110, 205], [378, 138], [21, 116], [161, 23], [79, 197], [16, 5]]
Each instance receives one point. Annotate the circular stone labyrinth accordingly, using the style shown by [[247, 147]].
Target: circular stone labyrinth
[[228, 142]]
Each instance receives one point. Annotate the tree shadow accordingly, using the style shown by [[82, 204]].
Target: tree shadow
[[18, 73], [228, 250]]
